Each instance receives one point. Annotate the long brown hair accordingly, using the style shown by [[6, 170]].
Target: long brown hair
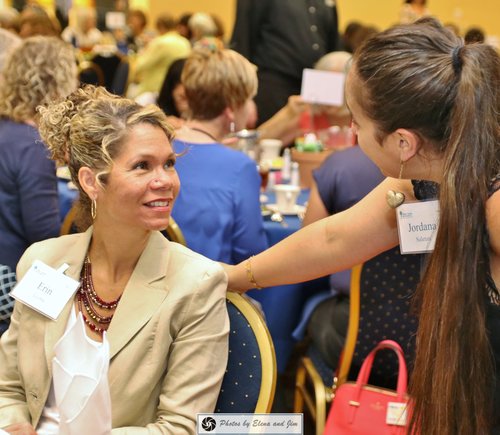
[[421, 77]]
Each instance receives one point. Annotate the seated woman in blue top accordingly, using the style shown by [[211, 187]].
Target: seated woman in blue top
[[41, 69], [218, 209]]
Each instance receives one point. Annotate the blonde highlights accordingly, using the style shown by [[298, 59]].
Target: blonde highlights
[[88, 129], [40, 70]]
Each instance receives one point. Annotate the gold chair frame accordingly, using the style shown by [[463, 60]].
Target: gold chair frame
[[266, 348], [309, 387]]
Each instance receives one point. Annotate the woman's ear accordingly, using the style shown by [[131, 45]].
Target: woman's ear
[[409, 143], [229, 113], [88, 181]]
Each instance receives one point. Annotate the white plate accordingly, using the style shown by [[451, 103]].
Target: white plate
[[296, 210]]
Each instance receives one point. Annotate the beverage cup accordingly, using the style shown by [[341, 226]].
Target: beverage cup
[[286, 197], [270, 149]]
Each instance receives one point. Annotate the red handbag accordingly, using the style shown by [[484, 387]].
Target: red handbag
[[362, 409]]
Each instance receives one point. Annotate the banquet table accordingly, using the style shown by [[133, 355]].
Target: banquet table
[[282, 305]]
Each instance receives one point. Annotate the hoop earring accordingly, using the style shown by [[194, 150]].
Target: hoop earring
[[93, 209], [395, 199]]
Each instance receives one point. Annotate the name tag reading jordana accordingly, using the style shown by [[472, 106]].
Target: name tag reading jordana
[[417, 226], [45, 289]]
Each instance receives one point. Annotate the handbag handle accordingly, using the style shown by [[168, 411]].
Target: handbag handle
[[366, 368]]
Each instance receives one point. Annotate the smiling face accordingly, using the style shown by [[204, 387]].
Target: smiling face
[[142, 185], [386, 154]]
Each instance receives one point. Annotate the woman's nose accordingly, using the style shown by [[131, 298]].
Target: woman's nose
[[164, 179]]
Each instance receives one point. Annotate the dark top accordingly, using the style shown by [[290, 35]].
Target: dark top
[[429, 190], [343, 179], [29, 207], [285, 36]]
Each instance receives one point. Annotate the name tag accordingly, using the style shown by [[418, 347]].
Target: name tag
[[418, 225], [396, 413], [45, 289]]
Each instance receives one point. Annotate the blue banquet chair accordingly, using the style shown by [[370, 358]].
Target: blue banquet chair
[[379, 309], [250, 379]]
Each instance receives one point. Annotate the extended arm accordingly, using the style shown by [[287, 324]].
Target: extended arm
[[330, 245]]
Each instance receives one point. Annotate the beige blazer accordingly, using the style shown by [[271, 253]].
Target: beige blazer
[[168, 340]]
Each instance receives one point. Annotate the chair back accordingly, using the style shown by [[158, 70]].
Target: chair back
[[109, 65], [120, 79], [250, 379], [174, 233], [90, 73], [380, 309]]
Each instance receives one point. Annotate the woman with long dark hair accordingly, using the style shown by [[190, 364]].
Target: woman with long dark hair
[[425, 107]]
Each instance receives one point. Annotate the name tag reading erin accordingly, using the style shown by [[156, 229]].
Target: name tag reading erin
[[418, 225], [45, 289]]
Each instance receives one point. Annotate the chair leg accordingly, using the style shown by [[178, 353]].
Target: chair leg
[[320, 415], [300, 380]]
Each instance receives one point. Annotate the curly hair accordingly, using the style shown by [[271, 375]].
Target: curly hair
[[88, 129], [40, 70]]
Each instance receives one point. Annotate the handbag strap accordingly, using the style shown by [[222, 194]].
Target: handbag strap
[[366, 368]]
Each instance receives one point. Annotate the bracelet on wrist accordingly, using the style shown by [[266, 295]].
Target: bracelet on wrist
[[251, 278]]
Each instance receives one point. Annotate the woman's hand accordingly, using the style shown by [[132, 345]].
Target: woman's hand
[[20, 429]]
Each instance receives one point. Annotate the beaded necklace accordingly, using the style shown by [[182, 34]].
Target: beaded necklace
[[88, 301]]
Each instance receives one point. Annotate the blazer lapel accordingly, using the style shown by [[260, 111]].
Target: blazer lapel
[[143, 294], [74, 257]]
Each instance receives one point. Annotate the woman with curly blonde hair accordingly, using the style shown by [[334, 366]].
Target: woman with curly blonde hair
[[41, 69], [160, 307]]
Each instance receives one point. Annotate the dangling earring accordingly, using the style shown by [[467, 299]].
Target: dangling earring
[[395, 199], [232, 127], [93, 209]]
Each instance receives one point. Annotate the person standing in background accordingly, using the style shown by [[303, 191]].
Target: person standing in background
[[282, 37], [152, 64]]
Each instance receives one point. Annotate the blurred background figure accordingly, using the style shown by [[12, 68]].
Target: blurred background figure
[[263, 35], [82, 32], [298, 118], [182, 25], [34, 20], [8, 42], [40, 70], [360, 35], [9, 19], [172, 98], [137, 37], [201, 25], [412, 10], [218, 209], [453, 28], [153, 62], [474, 35], [220, 33]]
